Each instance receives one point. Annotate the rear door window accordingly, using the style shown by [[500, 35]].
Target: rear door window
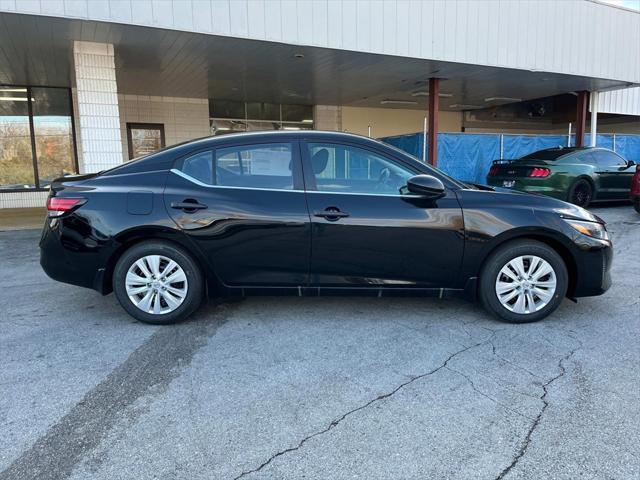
[[269, 166], [255, 166]]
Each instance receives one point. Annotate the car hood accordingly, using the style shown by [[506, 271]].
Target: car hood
[[485, 194]]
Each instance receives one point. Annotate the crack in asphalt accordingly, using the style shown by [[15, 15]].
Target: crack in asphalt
[[148, 370], [384, 396], [509, 362], [488, 397], [545, 404]]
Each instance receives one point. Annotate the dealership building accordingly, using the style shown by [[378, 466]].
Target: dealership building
[[88, 84]]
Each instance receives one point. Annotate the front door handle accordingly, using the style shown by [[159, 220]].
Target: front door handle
[[188, 205], [331, 214]]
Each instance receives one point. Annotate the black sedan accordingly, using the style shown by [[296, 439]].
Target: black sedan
[[313, 213]]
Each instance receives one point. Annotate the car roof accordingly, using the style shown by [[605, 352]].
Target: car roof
[[165, 157], [217, 141], [273, 134]]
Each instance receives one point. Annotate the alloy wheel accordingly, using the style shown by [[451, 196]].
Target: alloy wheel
[[156, 284], [582, 194], [526, 284]]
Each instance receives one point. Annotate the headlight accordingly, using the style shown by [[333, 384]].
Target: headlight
[[590, 229]]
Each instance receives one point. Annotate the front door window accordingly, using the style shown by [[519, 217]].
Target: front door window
[[347, 169]]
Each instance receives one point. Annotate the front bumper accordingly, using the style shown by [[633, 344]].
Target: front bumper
[[593, 269]]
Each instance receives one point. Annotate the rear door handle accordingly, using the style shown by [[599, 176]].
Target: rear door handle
[[331, 213], [187, 205]]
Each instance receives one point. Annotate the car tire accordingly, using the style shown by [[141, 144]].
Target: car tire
[[581, 193], [636, 204], [169, 291], [494, 279]]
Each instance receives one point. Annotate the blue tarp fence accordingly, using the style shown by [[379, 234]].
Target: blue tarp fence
[[468, 156]]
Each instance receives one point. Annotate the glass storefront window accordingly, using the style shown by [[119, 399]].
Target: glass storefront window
[[16, 159], [53, 131], [263, 111], [228, 116], [223, 126], [227, 109], [297, 113], [35, 117]]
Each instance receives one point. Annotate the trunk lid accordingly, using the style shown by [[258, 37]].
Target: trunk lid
[[70, 182]]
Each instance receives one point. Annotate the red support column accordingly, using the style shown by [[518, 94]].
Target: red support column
[[581, 117], [434, 109]]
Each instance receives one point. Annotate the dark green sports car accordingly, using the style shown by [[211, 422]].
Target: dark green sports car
[[574, 174]]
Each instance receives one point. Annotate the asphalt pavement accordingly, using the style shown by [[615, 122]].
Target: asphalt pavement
[[317, 388]]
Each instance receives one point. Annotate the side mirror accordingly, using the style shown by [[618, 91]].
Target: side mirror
[[426, 186], [630, 163]]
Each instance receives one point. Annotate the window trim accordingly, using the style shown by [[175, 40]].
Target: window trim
[[233, 187], [143, 126], [34, 154]]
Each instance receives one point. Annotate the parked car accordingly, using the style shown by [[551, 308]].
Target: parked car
[[313, 213], [577, 174], [635, 189]]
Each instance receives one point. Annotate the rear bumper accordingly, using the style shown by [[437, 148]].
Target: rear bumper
[[534, 186], [65, 257]]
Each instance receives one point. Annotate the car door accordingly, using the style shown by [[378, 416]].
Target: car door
[[614, 173], [244, 206], [368, 231]]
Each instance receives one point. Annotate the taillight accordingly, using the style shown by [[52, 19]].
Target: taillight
[[58, 206], [540, 172], [493, 171], [635, 183]]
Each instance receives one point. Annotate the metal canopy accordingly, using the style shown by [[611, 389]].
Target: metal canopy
[[38, 50]]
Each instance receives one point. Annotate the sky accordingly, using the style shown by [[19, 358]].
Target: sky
[[633, 4]]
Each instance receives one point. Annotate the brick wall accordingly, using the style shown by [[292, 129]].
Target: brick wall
[[327, 117], [96, 99]]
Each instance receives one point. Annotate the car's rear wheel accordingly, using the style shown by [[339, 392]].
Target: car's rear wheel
[[523, 281], [581, 193], [157, 282]]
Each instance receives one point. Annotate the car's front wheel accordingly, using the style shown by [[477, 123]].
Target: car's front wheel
[[523, 281], [157, 282]]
